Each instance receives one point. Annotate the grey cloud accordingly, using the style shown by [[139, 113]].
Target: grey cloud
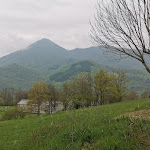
[[66, 22]]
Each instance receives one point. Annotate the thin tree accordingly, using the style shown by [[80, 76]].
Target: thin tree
[[38, 94], [102, 86], [123, 28], [7, 96], [52, 98], [120, 81], [20, 95], [66, 93]]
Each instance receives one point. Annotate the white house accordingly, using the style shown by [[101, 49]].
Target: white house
[[44, 108], [23, 103]]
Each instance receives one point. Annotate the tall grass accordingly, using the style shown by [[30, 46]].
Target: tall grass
[[95, 129]]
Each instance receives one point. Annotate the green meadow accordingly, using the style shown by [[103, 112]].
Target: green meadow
[[96, 128]]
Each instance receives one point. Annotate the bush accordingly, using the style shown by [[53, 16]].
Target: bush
[[144, 94], [13, 114], [132, 95]]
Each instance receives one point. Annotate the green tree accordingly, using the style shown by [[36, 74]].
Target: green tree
[[7, 96], [110, 87], [38, 94], [120, 87], [78, 91], [20, 95], [102, 86], [53, 97], [83, 92], [66, 93]]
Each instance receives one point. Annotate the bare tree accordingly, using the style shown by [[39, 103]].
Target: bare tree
[[123, 28]]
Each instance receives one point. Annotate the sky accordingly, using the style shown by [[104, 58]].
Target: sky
[[65, 22]]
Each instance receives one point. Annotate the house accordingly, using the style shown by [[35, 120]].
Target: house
[[23, 103], [46, 107]]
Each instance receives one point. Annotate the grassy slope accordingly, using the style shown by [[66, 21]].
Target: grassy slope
[[95, 127], [3, 108]]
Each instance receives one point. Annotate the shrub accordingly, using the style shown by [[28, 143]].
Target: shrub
[[132, 95], [144, 94], [13, 114]]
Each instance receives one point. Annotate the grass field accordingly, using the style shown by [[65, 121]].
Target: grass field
[[4, 108], [95, 129]]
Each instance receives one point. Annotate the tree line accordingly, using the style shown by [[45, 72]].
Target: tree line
[[10, 97], [83, 90]]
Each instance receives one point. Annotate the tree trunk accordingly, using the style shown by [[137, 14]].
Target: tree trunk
[[49, 106], [54, 105], [38, 109]]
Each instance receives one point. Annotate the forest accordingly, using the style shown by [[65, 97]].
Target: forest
[[83, 90]]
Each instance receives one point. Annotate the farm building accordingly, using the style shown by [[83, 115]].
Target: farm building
[[23, 103], [47, 107]]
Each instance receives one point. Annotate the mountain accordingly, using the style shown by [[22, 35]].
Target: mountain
[[138, 80], [69, 71], [46, 60], [97, 55], [42, 55], [17, 76], [45, 55]]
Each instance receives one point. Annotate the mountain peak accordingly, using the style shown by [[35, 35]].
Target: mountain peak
[[44, 39], [43, 42], [46, 46]]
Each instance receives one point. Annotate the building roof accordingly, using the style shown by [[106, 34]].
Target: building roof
[[23, 102]]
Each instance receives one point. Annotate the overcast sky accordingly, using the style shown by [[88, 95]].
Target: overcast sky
[[65, 22]]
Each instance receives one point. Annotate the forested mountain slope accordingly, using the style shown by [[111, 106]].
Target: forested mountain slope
[[46, 60], [16, 76]]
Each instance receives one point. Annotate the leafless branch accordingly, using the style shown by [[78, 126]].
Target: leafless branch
[[123, 28]]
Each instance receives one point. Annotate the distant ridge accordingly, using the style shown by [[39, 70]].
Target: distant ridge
[[17, 76], [45, 60], [70, 71], [44, 54]]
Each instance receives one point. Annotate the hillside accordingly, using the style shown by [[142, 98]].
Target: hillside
[[139, 80], [98, 55], [57, 65], [45, 55], [96, 128], [69, 71], [17, 76]]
